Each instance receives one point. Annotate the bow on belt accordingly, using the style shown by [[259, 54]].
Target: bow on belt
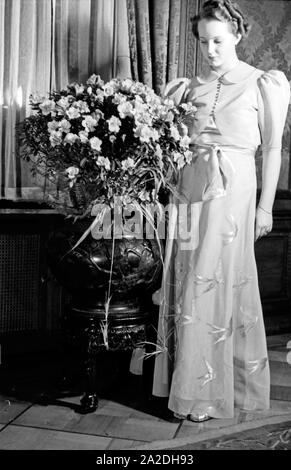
[[209, 176]]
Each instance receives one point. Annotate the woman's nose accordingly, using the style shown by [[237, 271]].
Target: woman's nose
[[211, 48]]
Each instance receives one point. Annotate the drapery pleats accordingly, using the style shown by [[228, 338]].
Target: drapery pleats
[[44, 45], [24, 67], [162, 46]]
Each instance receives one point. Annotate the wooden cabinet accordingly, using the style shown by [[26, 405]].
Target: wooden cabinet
[[273, 255]]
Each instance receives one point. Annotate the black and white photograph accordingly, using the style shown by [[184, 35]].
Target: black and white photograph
[[145, 229]]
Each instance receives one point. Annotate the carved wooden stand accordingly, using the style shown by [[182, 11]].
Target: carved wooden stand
[[82, 328]]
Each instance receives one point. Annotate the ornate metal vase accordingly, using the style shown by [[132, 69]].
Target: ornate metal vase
[[125, 271]]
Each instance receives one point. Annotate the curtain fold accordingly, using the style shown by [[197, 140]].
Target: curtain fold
[[160, 39], [144, 41], [174, 39], [3, 102], [161, 14], [121, 60], [44, 45]]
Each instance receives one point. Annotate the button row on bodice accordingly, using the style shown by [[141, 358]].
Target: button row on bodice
[[216, 98]]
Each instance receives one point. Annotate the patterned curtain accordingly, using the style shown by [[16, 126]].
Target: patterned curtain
[[44, 44], [162, 46]]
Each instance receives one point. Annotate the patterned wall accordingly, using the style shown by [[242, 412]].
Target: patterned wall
[[268, 47]]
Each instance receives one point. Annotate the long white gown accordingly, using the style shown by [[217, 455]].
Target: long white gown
[[211, 354]]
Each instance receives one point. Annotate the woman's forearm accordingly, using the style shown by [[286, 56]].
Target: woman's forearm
[[270, 177]]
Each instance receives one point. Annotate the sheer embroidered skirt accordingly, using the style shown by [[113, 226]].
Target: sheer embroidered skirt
[[212, 353]]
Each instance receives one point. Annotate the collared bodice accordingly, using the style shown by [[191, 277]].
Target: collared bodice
[[250, 109]]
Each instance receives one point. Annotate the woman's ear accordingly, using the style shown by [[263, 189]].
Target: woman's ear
[[238, 37]]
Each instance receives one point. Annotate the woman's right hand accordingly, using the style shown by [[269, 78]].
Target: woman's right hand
[[264, 223]]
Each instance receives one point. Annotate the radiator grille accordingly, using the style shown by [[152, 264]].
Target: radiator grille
[[19, 282]]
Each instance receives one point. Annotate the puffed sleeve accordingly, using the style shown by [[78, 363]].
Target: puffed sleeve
[[177, 90], [273, 105]]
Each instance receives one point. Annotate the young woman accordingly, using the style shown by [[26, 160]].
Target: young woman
[[212, 353]]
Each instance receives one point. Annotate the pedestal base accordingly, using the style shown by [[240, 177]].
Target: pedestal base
[[86, 329]]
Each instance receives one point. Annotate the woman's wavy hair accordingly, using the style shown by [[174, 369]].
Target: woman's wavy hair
[[222, 10]]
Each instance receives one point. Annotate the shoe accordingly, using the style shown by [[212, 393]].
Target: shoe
[[179, 416], [199, 417]]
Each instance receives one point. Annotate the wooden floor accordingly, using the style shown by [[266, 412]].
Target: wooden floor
[[34, 417]]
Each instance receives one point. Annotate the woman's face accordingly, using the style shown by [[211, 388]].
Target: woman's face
[[217, 42]]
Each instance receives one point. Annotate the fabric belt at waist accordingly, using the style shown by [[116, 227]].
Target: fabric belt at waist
[[216, 172]]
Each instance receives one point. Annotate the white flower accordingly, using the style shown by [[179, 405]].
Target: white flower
[[138, 88], [53, 126], [89, 123], [35, 98], [126, 84], [82, 106], [176, 156], [139, 107], [189, 108], [119, 98], [64, 125], [100, 95], [143, 117], [114, 124], [108, 89], [89, 90], [96, 143], [169, 116], [168, 102], [71, 138], [83, 137], [125, 109], [145, 133], [175, 133], [153, 101], [72, 171], [95, 80], [128, 163], [103, 161], [126, 199], [179, 159], [184, 129], [144, 195], [47, 107], [63, 104], [73, 113], [79, 89], [188, 156], [185, 141], [155, 135], [55, 138], [97, 115]]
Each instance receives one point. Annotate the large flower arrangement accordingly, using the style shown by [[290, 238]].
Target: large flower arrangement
[[102, 140]]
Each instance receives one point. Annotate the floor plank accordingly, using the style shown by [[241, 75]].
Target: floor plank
[[119, 444], [141, 429], [64, 419], [10, 408], [25, 438]]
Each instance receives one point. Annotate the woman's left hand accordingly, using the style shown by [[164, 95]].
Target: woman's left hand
[[264, 223]]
